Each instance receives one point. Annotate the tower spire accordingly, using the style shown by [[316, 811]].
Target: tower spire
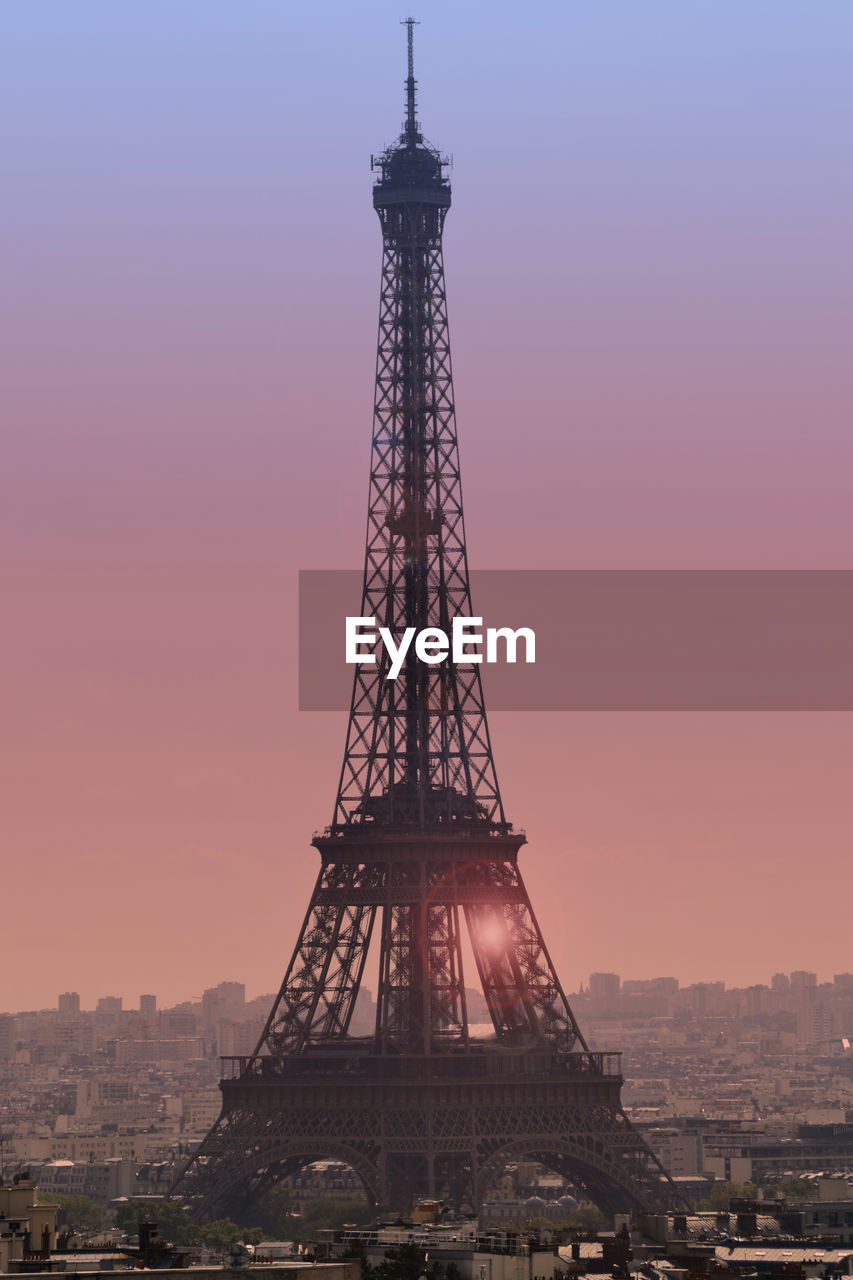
[[411, 129]]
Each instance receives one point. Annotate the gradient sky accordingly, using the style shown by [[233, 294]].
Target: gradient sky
[[650, 281]]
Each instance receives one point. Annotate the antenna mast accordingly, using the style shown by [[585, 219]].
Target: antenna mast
[[411, 123]]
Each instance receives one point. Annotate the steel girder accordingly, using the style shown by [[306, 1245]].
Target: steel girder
[[418, 747], [419, 894], [439, 1138]]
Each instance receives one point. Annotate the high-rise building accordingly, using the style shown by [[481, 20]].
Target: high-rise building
[[7, 1037], [223, 1002], [650, 986], [604, 986], [69, 1003]]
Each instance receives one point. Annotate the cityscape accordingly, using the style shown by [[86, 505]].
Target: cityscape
[[750, 1085], [416, 1095]]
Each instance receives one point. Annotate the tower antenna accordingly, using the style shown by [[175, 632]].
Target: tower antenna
[[411, 125]]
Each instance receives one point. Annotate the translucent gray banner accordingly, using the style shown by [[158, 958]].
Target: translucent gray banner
[[627, 640]]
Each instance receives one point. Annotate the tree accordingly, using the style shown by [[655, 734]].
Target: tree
[[175, 1225], [224, 1231], [327, 1214], [723, 1193], [798, 1189], [403, 1262], [173, 1222], [356, 1251], [272, 1213], [81, 1213]]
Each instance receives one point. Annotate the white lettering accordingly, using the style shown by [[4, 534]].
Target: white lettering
[[462, 638], [356, 638], [397, 652], [511, 637], [432, 645]]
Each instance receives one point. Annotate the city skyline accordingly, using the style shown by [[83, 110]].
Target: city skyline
[[658, 308], [132, 1003]]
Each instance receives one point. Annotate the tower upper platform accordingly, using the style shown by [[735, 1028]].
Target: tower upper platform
[[411, 171]]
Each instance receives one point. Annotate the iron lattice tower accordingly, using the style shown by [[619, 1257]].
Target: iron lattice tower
[[418, 854]]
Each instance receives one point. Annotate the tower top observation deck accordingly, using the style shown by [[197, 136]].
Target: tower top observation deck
[[410, 169]]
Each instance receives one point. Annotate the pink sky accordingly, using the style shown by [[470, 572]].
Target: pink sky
[[649, 278]]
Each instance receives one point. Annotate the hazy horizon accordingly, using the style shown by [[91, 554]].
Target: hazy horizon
[[131, 1003]]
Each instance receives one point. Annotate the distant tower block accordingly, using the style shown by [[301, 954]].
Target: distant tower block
[[419, 855], [604, 986]]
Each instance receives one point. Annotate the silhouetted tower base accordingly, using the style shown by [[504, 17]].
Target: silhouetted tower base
[[414, 1126], [419, 859]]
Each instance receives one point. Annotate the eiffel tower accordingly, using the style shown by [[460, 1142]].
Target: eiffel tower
[[419, 859]]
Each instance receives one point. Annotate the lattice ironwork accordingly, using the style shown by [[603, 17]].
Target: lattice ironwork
[[418, 748], [419, 859], [450, 1136], [417, 897]]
